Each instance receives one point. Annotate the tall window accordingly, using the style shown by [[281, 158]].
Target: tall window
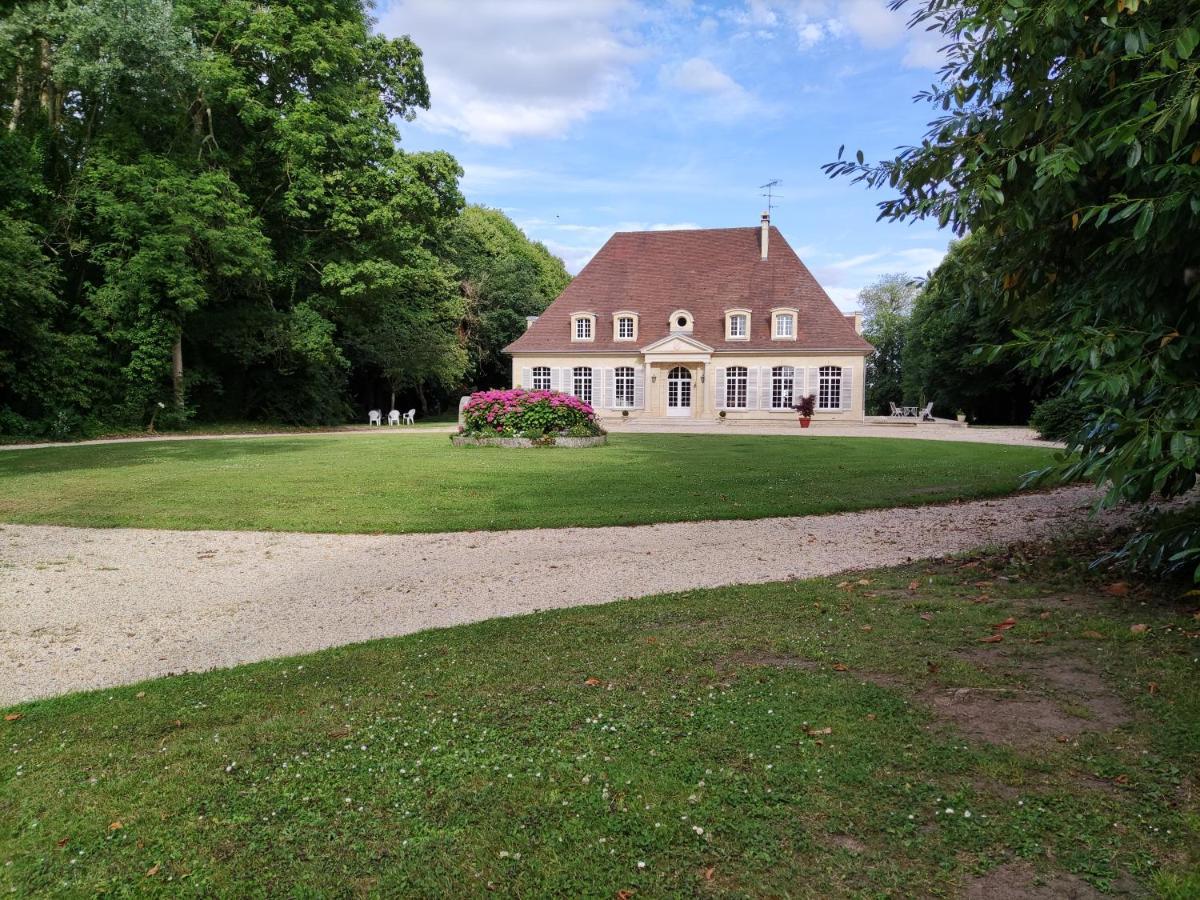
[[735, 387], [583, 384], [541, 378], [583, 328], [829, 393], [785, 325], [737, 326], [783, 380], [623, 386], [625, 327]]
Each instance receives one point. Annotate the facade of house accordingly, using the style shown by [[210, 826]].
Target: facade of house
[[693, 324]]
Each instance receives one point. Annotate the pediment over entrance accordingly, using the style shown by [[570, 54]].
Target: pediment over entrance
[[676, 344]]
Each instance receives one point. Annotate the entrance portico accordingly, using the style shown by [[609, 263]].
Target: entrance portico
[[676, 370]]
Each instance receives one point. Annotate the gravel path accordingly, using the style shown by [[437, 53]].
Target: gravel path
[[88, 608]]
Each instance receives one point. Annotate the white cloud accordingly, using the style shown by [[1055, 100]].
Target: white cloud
[[843, 278], [505, 69], [812, 23], [719, 96]]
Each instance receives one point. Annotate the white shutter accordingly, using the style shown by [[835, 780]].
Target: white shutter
[[555, 379], [752, 387], [847, 386], [720, 398], [526, 381], [639, 387], [798, 384], [764, 388], [814, 383], [609, 397]]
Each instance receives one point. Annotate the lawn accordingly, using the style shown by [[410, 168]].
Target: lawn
[[827, 737], [419, 483]]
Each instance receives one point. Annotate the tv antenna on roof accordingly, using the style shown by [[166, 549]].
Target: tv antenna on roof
[[769, 192]]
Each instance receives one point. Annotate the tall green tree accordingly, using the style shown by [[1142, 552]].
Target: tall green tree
[[504, 278], [1067, 129], [886, 306], [951, 324], [219, 205]]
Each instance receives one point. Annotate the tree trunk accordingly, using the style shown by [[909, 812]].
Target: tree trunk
[[48, 96], [18, 90], [177, 370], [421, 400]]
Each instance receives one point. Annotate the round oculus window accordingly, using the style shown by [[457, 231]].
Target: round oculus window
[[681, 321]]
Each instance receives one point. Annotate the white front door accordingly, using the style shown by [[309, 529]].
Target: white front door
[[679, 392]]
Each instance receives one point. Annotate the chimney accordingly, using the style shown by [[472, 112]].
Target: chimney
[[766, 233], [855, 319], [529, 320]]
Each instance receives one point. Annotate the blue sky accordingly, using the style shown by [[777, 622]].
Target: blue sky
[[579, 118]]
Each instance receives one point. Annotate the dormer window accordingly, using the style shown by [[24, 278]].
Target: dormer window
[[625, 326], [737, 324], [681, 321], [783, 324], [583, 327]]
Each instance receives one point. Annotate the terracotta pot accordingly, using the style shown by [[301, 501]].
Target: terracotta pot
[[805, 422]]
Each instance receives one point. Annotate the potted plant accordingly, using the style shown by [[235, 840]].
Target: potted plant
[[805, 408], [961, 416]]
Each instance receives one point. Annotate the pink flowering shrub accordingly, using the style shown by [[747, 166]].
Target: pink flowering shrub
[[533, 414]]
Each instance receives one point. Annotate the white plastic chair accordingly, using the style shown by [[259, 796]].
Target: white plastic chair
[[927, 413], [410, 417], [896, 411], [375, 417], [394, 417]]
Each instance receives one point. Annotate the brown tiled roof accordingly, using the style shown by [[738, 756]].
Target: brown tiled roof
[[704, 271]]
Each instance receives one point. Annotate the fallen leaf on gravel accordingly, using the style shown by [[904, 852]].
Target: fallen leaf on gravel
[[12, 717], [813, 732], [1093, 635], [624, 894], [1153, 687], [115, 826], [928, 617], [708, 873], [62, 842], [991, 639], [1139, 628], [593, 682], [840, 667], [1121, 779], [153, 870], [1005, 625], [1062, 738], [1117, 589]]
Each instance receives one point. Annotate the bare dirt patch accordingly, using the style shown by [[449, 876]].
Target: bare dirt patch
[[1019, 881], [1049, 697]]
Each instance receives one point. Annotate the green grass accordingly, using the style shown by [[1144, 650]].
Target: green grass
[[479, 761], [419, 483]]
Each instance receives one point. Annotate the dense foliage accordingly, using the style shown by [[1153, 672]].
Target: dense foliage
[[950, 323], [1067, 131], [1059, 418], [529, 414], [203, 204]]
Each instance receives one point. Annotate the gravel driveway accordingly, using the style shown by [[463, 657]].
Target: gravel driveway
[[88, 608]]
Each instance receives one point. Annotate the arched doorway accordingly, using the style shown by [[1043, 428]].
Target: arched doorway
[[679, 392]]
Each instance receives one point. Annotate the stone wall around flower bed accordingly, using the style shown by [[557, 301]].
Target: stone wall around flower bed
[[574, 443]]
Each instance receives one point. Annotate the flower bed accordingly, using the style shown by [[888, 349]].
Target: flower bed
[[538, 417], [463, 440]]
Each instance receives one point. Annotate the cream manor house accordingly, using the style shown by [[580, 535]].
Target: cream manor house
[[695, 324]]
